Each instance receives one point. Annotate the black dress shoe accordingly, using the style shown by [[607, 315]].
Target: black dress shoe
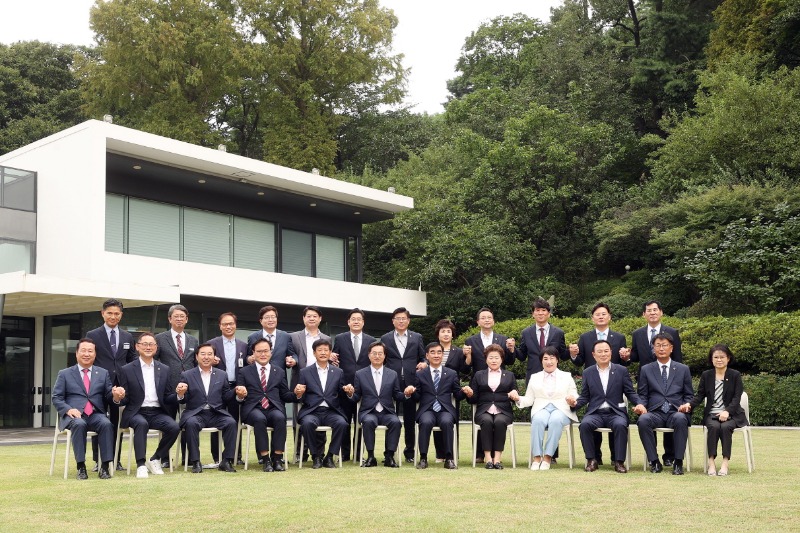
[[489, 465], [197, 467], [277, 465], [591, 465], [449, 464], [409, 459], [619, 466], [227, 466], [553, 461], [317, 462], [267, 466], [346, 458], [599, 461], [498, 465], [82, 473], [677, 468], [656, 466], [668, 462], [104, 474], [422, 464], [119, 467], [328, 462], [390, 462], [96, 468], [369, 462], [239, 462], [165, 463]]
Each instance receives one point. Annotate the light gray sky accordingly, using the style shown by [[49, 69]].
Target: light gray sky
[[430, 33]]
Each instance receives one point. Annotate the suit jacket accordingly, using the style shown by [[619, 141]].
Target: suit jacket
[[536, 398], [281, 347], [586, 345], [679, 385], [619, 383], [241, 354], [315, 395], [277, 392], [168, 354], [348, 362], [370, 397], [642, 351], [529, 348], [406, 366], [732, 389], [457, 361], [483, 396], [69, 392], [298, 342], [113, 362], [479, 360], [132, 380], [219, 393], [449, 388]]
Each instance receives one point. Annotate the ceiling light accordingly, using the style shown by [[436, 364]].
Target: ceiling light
[[201, 181], [137, 167], [261, 193], [313, 205]]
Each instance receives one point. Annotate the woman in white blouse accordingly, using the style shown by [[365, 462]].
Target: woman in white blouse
[[547, 395]]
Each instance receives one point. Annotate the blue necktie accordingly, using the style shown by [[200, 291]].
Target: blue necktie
[[665, 406], [436, 405], [113, 341]]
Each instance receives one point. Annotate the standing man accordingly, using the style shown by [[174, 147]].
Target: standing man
[[436, 387], [642, 352], [665, 386], [405, 354], [231, 357], [487, 336], [603, 385], [148, 393], [206, 392], [378, 387], [114, 347], [538, 336], [80, 395], [283, 353], [352, 348], [176, 348], [261, 390]]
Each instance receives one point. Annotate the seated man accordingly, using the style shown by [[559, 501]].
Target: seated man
[[435, 389], [261, 389], [318, 387], [205, 391], [603, 386], [146, 382], [81, 396], [664, 386], [378, 388]]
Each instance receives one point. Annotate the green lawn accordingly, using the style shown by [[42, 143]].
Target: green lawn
[[381, 499]]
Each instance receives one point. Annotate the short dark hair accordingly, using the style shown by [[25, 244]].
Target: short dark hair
[[378, 344], [540, 303], [85, 339], [314, 308], [600, 342], [177, 307], [321, 342], [356, 311], [598, 305], [259, 341], [719, 348], [227, 313], [112, 302], [650, 302], [663, 336], [548, 350], [203, 346], [494, 348], [481, 310], [264, 310], [444, 324], [145, 334], [401, 310], [432, 345]]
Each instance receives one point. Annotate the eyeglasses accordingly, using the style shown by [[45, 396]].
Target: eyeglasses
[[146, 344], [227, 324], [400, 319], [662, 345], [261, 351]]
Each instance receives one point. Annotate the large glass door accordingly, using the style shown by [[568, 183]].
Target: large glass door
[[16, 372], [61, 335]]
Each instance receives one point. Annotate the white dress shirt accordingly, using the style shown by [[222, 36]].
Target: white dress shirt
[[149, 375]]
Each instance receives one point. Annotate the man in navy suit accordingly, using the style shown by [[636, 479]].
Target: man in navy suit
[[283, 352], [405, 354], [478, 342], [604, 383], [261, 390], [435, 390], [664, 386], [538, 336], [114, 347], [378, 387], [148, 393], [642, 352], [206, 392], [176, 348], [80, 395], [318, 388]]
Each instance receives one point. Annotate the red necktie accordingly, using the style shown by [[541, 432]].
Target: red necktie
[[264, 401], [541, 338], [89, 409], [180, 345]]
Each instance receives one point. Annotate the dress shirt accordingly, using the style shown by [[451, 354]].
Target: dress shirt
[[377, 376], [310, 339], [266, 334], [88, 374], [229, 345], [546, 328], [602, 335], [323, 378], [604, 375], [550, 384], [487, 340], [206, 377], [149, 375], [174, 334], [661, 366], [494, 381], [353, 338], [401, 341], [445, 356], [116, 333]]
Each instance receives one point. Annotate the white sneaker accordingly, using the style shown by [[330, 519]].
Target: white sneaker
[[141, 472], [545, 466], [535, 466], [154, 466]]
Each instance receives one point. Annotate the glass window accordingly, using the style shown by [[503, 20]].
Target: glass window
[[206, 237], [15, 256], [154, 229], [253, 244], [19, 189], [330, 257], [296, 254], [115, 223]]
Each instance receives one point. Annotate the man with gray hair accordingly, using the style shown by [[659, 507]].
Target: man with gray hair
[[176, 348]]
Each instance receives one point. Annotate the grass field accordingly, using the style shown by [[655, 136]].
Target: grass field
[[405, 499]]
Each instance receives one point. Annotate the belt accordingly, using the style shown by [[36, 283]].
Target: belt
[[149, 409]]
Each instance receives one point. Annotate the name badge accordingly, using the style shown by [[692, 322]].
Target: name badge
[[241, 363], [126, 346], [190, 350], [621, 405]]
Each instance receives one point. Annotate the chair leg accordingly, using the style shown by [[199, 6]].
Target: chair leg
[[300, 462], [53, 454], [66, 454], [474, 444], [628, 455], [130, 450], [247, 449], [416, 447], [705, 450], [513, 446], [689, 450]]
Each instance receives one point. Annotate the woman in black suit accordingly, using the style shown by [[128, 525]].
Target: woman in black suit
[[721, 388], [489, 389]]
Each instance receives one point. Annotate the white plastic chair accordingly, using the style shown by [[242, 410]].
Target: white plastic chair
[[204, 430], [324, 429], [68, 433], [363, 447], [688, 447], [436, 428], [747, 435], [121, 431], [249, 429], [608, 430], [570, 444], [510, 430]]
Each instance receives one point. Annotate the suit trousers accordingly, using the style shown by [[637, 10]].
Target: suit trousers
[[323, 416], [153, 418], [349, 409], [100, 424], [658, 419], [261, 419], [209, 418], [719, 431], [608, 419], [493, 431], [409, 407], [552, 420], [444, 421], [233, 410], [113, 414], [374, 419]]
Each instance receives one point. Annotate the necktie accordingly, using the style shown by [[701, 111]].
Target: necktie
[[89, 409], [113, 341], [601, 336], [357, 345], [264, 400], [436, 405], [665, 406], [652, 336], [377, 376], [269, 338], [541, 338], [179, 344]]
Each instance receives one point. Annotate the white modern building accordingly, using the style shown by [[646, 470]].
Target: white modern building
[[99, 211]]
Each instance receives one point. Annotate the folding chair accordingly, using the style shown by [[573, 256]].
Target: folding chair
[[68, 433], [747, 435], [509, 430], [363, 447]]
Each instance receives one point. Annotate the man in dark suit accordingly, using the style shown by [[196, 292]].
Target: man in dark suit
[[148, 392], [283, 352], [378, 387], [261, 390], [350, 360], [230, 356], [405, 354], [478, 342], [536, 337], [176, 348], [455, 358], [436, 387], [603, 385], [318, 388], [206, 392], [642, 352], [80, 395], [664, 386], [114, 348]]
